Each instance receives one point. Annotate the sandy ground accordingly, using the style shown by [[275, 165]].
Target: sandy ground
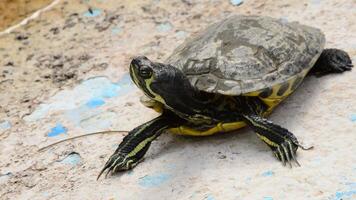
[[65, 73]]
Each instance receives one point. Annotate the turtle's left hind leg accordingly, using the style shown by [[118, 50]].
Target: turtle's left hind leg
[[332, 61]]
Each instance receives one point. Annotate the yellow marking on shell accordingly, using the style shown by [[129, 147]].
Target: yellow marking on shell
[[271, 103], [265, 139], [274, 99], [219, 128]]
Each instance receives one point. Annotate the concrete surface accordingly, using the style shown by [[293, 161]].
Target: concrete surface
[[64, 73]]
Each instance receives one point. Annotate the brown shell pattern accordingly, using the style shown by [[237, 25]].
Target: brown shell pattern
[[242, 54]]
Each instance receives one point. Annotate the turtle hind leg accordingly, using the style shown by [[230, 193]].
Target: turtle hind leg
[[332, 61]]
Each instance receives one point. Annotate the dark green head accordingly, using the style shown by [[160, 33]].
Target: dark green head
[[156, 80], [162, 82]]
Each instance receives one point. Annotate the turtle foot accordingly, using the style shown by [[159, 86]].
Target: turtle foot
[[332, 61], [118, 162]]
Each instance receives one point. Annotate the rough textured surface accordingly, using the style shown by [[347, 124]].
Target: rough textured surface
[[243, 54], [63, 74]]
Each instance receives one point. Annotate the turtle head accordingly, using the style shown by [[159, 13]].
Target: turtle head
[[156, 80]]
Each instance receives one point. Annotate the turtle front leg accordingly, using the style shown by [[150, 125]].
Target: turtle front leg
[[134, 146], [282, 142]]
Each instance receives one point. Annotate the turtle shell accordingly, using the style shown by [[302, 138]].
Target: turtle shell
[[243, 54]]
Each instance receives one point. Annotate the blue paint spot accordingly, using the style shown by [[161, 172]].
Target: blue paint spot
[[315, 2], [45, 194], [125, 80], [72, 159], [268, 173], [344, 195], [171, 166], [58, 129], [114, 146], [347, 194], [164, 27], [153, 180], [111, 91], [192, 195], [284, 19], [210, 197], [92, 88], [117, 89], [125, 85], [96, 12], [116, 30], [236, 2], [353, 117], [181, 34], [95, 102], [97, 120], [5, 125], [267, 198], [351, 184]]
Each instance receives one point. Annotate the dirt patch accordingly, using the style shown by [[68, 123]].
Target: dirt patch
[[13, 11]]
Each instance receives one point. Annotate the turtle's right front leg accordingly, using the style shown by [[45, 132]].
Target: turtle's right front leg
[[134, 146]]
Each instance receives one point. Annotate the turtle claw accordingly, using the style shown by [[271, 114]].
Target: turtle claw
[[117, 162], [101, 172], [286, 153]]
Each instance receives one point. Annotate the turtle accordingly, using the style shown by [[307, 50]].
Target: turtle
[[230, 75]]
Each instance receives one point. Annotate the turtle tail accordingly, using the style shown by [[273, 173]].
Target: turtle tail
[[332, 61]]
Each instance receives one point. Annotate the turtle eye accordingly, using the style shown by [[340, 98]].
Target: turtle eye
[[145, 72]]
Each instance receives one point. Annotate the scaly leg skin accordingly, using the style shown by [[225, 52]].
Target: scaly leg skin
[[282, 142], [134, 146]]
